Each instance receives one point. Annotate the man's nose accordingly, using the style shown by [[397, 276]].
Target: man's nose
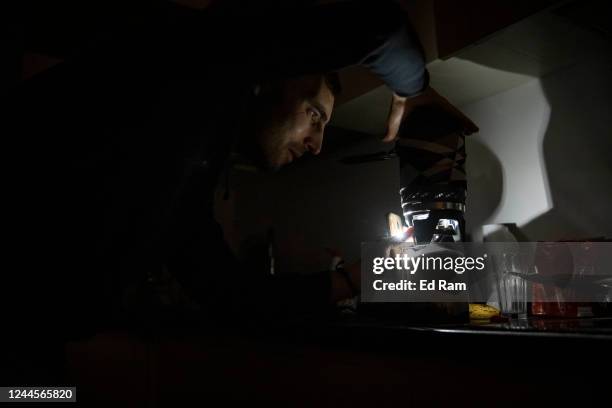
[[314, 142]]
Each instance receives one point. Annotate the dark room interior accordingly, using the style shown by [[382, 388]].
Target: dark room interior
[[224, 202]]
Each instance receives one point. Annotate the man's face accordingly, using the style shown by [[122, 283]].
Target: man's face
[[298, 121]]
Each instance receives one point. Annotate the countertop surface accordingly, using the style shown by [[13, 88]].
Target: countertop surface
[[587, 328]]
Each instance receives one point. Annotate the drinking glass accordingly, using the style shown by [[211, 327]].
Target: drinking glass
[[512, 286]]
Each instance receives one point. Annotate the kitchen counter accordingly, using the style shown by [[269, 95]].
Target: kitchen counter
[[347, 360], [579, 328]]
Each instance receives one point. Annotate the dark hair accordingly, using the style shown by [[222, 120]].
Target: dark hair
[[332, 80]]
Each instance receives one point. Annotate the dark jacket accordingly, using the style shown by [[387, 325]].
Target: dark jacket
[[118, 152]]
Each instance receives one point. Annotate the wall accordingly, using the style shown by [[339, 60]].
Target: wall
[[543, 158]]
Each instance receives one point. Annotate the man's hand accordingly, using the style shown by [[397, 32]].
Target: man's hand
[[401, 107]]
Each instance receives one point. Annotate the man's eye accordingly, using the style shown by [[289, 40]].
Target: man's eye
[[314, 116]]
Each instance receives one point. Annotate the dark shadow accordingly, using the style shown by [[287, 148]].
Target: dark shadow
[[485, 186]]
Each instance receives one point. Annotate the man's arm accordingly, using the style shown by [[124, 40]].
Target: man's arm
[[400, 63]]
